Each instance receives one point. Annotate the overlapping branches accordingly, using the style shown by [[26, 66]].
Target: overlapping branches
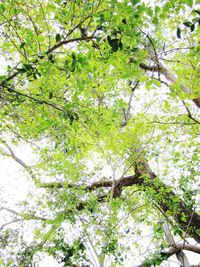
[[159, 257], [145, 178], [170, 77]]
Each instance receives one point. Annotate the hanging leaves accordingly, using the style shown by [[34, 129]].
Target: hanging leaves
[[114, 43], [50, 95], [197, 11], [51, 58], [58, 37], [178, 33], [69, 87], [190, 25], [22, 45], [187, 24]]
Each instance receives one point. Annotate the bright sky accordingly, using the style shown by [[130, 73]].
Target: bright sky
[[14, 187]]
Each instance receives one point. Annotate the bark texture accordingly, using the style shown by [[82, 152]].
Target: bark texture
[[163, 195], [170, 77]]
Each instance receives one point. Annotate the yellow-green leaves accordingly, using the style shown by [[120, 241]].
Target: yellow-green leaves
[[107, 94]]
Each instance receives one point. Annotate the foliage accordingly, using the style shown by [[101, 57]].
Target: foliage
[[106, 93]]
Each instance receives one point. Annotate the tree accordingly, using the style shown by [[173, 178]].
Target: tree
[[107, 95]]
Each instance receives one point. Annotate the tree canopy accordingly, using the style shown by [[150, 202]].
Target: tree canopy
[[106, 94]]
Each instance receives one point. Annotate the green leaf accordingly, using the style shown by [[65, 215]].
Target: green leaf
[[192, 27], [34, 76], [22, 45], [124, 21], [109, 39], [3, 77], [187, 24], [27, 66], [51, 58], [189, 2], [41, 56], [2, 8], [114, 43], [58, 38], [197, 11], [134, 2], [178, 33], [50, 95], [21, 70]]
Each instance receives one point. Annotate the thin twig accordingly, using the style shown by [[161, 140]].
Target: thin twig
[[47, 26], [49, 51], [36, 30], [65, 42], [11, 222], [39, 101], [23, 216], [189, 113], [21, 162]]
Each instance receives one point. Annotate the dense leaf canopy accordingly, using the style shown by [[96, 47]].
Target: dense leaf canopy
[[106, 94]]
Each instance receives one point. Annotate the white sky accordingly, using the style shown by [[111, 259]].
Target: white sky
[[14, 187]]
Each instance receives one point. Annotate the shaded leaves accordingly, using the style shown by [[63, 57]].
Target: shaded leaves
[[115, 43]]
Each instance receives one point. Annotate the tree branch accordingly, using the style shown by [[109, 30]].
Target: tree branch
[[23, 216], [8, 223], [65, 42], [39, 101], [117, 186], [161, 194], [144, 177], [164, 255], [190, 114], [169, 76], [182, 258], [49, 51], [22, 163]]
